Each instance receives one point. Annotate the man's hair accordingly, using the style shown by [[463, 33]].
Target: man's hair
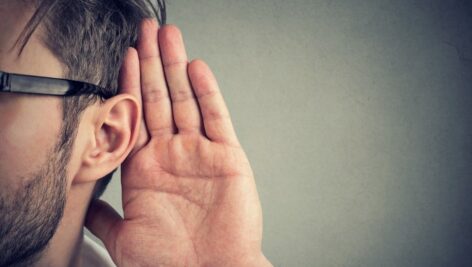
[[90, 37]]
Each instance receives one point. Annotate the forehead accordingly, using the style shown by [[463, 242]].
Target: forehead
[[35, 59]]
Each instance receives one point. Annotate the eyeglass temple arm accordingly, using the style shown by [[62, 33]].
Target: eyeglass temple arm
[[31, 84], [20, 83], [4, 82]]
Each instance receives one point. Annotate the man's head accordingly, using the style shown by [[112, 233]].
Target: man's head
[[47, 143]]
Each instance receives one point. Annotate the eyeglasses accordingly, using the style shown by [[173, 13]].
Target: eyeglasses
[[30, 84]]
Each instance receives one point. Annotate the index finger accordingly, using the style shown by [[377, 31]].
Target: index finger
[[129, 80], [129, 83], [156, 102]]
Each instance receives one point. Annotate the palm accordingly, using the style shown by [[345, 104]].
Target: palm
[[189, 196], [191, 191]]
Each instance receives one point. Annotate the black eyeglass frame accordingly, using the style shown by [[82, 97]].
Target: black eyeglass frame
[[31, 84]]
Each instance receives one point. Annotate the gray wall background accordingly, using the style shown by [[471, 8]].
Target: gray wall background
[[356, 117]]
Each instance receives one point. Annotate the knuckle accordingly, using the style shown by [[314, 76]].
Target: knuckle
[[154, 94], [207, 94], [175, 64], [215, 114], [181, 95]]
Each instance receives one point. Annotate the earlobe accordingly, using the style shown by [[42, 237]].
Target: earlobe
[[115, 131]]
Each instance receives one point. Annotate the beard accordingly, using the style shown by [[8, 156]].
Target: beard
[[29, 217]]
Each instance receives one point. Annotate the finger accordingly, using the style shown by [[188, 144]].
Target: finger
[[103, 221], [216, 118], [174, 58], [129, 83], [156, 101]]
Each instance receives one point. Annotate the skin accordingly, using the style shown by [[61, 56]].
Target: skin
[[189, 196], [30, 125]]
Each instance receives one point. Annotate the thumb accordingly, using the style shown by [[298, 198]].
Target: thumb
[[103, 221]]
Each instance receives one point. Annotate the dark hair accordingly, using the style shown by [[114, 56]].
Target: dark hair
[[90, 37]]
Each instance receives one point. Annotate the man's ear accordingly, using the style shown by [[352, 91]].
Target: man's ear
[[115, 131]]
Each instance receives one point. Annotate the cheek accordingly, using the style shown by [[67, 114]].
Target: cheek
[[29, 128]]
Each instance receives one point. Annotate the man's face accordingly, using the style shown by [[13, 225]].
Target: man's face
[[32, 171]]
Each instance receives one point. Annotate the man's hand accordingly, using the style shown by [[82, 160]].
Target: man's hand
[[189, 195]]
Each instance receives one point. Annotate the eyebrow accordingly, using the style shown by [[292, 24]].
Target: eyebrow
[[22, 83]]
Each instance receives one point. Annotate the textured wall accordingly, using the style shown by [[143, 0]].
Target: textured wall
[[356, 117]]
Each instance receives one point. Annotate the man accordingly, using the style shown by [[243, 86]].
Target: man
[[189, 196]]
